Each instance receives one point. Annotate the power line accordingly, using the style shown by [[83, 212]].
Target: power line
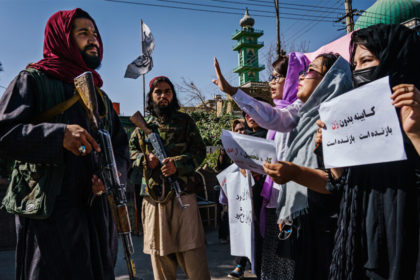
[[232, 8], [179, 8], [302, 24], [303, 29], [208, 11], [301, 16], [296, 36], [280, 3], [270, 6]]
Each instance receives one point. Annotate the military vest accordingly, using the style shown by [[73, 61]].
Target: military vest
[[34, 187]]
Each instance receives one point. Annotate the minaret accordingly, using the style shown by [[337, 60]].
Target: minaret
[[247, 48]]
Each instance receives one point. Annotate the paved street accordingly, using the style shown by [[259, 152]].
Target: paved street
[[220, 261]]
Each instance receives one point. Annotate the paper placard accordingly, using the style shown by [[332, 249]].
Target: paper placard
[[248, 152], [362, 127], [241, 223]]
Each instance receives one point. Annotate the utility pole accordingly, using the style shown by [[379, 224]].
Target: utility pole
[[349, 16], [278, 50]]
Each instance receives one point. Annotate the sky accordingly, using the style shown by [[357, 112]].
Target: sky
[[186, 40]]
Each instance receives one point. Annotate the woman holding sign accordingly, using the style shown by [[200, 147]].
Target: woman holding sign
[[276, 261], [378, 232], [312, 213]]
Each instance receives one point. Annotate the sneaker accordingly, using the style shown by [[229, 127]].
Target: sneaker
[[237, 273]]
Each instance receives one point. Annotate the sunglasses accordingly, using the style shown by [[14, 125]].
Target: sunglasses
[[310, 74], [276, 77]]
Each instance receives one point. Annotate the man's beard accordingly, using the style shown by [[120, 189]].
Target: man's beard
[[93, 62], [164, 111]]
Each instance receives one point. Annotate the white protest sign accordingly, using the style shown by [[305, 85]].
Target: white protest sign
[[362, 127], [222, 176], [241, 224], [248, 152]]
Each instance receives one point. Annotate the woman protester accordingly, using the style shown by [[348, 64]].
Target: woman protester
[[378, 222], [276, 262], [223, 161], [250, 127], [276, 259], [314, 231], [314, 214]]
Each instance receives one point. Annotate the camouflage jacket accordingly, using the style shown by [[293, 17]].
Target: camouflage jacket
[[182, 141]]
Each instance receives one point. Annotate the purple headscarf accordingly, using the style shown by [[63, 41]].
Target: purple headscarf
[[297, 62]]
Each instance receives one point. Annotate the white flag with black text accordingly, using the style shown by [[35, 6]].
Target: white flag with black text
[[144, 62]]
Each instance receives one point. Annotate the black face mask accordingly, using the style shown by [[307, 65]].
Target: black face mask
[[363, 76]]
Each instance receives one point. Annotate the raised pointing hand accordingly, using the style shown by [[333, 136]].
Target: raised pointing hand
[[221, 81]]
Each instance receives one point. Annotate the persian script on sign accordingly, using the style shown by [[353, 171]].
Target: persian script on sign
[[362, 127]]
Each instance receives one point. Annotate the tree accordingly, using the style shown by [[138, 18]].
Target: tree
[[271, 55], [211, 126], [195, 95], [302, 46]]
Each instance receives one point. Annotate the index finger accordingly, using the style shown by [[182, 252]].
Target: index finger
[[92, 141], [401, 86], [217, 68]]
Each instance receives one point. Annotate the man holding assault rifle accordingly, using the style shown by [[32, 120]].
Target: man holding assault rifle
[[169, 148], [58, 135]]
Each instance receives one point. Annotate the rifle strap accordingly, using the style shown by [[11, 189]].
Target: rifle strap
[[57, 109], [152, 197], [101, 94]]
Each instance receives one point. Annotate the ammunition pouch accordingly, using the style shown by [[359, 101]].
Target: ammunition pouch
[[33, 189]]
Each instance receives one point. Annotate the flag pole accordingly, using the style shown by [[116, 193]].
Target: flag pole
[[144, 96], [142, 51]]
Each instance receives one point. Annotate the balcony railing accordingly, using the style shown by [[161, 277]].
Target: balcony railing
[[247, 31], [249, 67], [248, 43]]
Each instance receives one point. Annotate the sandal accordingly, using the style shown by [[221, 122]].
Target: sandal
[[237, 273]]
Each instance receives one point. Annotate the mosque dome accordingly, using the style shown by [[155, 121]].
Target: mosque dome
[[247, 20], [389, 12]]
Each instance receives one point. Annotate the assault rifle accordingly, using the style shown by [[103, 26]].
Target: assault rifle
[[104, 164], [158, 151]]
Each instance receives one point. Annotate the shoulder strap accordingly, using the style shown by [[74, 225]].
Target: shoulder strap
[[144, 151], [51, 98], [64, 106], [57, 109]]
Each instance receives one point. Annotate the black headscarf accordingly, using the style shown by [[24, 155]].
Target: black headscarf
[[369, 189], [260, 132], [397, 48]]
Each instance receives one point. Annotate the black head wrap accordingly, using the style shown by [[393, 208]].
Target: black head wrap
[[397, 48], [260, 132]]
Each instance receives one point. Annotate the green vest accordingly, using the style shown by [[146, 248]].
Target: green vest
[[34, 187]]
